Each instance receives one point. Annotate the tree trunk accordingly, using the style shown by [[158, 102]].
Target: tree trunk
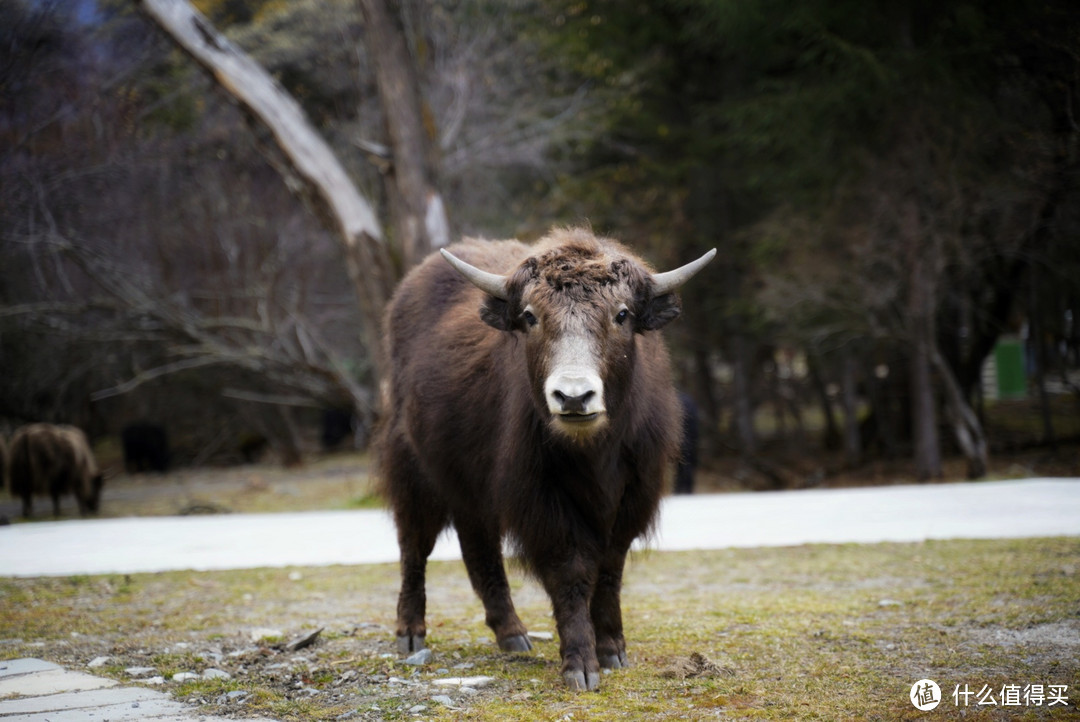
[[924, 415], [742, 395], [831, 440], [367, 258], [1037, 340], [416, 206], [849, 399], [706, 386], [924, 429]]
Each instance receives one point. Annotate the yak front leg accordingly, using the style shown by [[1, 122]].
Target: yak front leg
[[570, 586], [606, 610]]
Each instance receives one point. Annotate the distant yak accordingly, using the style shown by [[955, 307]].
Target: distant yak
[[146, 447], [531, 397], [3, 462], [54, 460]]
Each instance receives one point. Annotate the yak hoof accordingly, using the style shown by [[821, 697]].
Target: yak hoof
[[516, 643], [614, 661], [409, 643], [581, 681]]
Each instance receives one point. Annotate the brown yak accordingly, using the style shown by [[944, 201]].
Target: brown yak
[[530, 397], [54, 460]]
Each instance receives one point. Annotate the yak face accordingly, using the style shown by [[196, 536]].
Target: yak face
[[579, 306], [579, 309]]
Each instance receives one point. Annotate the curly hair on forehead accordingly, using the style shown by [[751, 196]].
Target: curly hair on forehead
[[579, 264]]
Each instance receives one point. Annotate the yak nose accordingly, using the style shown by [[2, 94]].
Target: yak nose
[[572, 404], [575, 394]]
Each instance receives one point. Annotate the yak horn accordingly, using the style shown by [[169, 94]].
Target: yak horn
[[490, 283], [670, 280]]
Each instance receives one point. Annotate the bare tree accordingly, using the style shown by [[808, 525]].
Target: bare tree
[[416, 204], [366, 255]]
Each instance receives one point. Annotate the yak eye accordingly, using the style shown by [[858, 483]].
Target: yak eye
[[529, 318], [621, 316]]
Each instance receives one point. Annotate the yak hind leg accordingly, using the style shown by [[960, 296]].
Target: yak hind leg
[[420, 517], [481, 549]]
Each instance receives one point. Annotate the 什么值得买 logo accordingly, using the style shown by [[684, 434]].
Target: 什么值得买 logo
[[925, 695]]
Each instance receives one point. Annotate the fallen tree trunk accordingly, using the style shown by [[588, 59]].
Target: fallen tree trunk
[[966, 427]]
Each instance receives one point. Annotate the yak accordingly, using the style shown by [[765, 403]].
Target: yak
[[530, 398], [146, 447], [54, 460]]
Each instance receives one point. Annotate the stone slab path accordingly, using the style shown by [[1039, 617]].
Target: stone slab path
[[33, 690]]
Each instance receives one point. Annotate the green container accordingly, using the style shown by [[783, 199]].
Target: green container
[[1011, 376]]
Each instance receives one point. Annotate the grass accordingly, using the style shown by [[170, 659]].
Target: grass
[[811, 632]]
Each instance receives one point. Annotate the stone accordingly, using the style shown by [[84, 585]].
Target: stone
[[260, 633], [184, 676], [98, 662], [212, 673], [138, 671], [443, 700], [474, 682], [542, 636], [305, 641], [418, 658]]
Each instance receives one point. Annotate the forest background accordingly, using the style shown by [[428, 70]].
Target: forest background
[[892, 188]]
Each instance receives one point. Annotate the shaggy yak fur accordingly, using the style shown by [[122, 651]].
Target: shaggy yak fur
[[468, 436], [54, 460]]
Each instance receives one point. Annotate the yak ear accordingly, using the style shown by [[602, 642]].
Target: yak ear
[[659, 312], [495, 312]]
